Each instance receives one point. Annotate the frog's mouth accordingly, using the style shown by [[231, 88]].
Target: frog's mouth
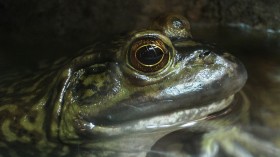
[[162, 122]]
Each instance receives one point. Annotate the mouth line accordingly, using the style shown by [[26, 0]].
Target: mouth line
[[227, 110], [165, 122]]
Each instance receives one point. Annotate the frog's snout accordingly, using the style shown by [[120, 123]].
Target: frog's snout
[[239, 71]]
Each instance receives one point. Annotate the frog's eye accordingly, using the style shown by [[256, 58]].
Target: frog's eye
[[148, 55]]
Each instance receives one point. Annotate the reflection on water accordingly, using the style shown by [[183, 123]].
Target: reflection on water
[[252, 129]]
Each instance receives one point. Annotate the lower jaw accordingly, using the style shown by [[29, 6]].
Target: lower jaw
[[140, 136], [166, 122]]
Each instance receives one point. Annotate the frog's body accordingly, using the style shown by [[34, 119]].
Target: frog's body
[[139, 89]]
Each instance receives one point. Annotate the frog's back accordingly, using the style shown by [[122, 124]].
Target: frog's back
[[30, 106], [24, 100]]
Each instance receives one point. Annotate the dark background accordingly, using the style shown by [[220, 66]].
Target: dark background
[[48, 27]]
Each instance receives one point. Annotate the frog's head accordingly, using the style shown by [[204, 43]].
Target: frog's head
[[159, 78]]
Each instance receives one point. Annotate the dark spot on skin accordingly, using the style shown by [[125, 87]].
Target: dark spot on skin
[[137, 95], [21, 131], [23, 149], [1, 95], [103, 91], [93, 87], [3, 117], [76, 90], [160, 88], [34, 137], [16, 119], [106, 82], [32, 116]]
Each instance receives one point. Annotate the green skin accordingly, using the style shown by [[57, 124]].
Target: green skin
[[97, 99]]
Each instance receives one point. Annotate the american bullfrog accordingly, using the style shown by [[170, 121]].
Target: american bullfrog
[[118, 97]]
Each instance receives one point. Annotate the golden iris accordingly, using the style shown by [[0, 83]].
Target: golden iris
[[148, 55]]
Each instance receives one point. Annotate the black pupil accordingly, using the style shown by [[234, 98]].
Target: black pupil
[[149, 54]]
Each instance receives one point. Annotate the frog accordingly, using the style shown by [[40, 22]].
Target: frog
[[117, 98]]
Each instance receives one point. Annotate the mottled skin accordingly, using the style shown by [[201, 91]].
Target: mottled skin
[[105, 97]]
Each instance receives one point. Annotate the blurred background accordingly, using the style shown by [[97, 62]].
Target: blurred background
[[68, 25]]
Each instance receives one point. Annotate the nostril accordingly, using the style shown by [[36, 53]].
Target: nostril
[[204, 53]]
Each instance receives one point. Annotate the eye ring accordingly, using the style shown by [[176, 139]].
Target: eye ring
[[148, 54]]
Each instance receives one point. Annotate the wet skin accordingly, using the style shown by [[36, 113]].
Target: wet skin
[[155, 79]]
